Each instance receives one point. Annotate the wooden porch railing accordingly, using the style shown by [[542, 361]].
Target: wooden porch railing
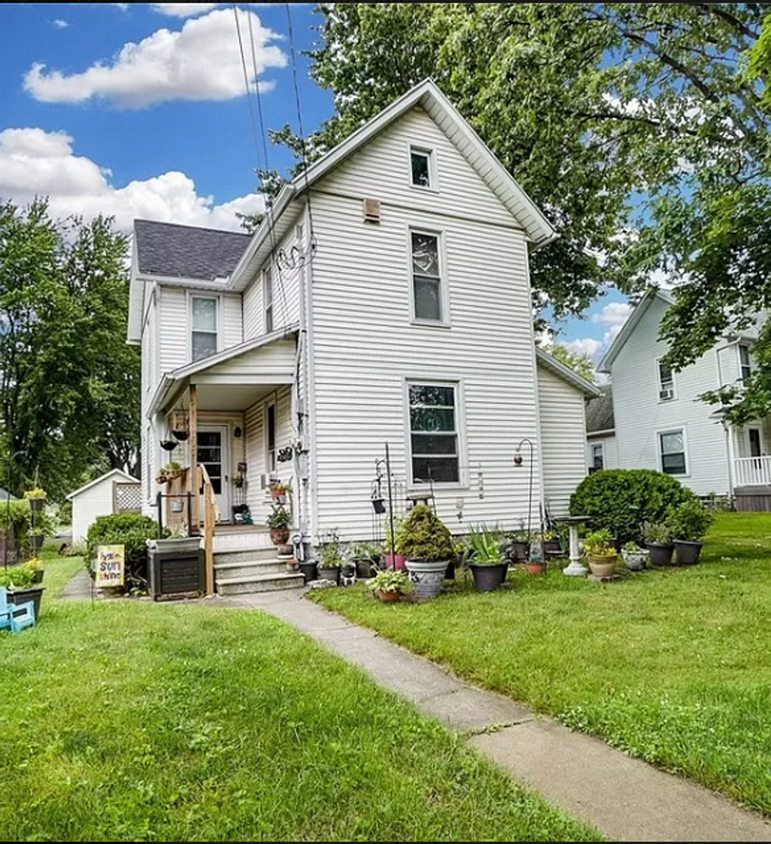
[[210, 516], [753, 471]]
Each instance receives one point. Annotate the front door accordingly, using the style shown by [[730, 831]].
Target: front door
[[754, 442], [214, 454]]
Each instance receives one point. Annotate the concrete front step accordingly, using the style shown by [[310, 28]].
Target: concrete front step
[[260, 583], [257, 555], [230, 570]]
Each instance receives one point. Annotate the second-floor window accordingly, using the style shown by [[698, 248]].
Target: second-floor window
[[745, 364], [666, 382], [267, 280], [421, 165], [426, 277], [598, 459], [204, 327]]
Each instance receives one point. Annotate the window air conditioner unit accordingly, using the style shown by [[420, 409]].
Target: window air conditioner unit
[[666, 394], [371, 210]]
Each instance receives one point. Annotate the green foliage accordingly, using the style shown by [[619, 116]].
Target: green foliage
[[622, 499], [15, 514], [656, 532], [366, 551], [329, 550], [64, 512], [599, 543], [425, 537], [34, 564], [485, 546], [18, 577], [131, 530], [579, 363], [689, 521], [389, 580], [394, 543], [35, 493], [279, 518]]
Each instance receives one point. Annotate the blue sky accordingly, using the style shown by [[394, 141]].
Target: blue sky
[[139, 110]]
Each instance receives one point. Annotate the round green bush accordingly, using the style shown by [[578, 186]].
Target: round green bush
[[131, 530], [620, 500]]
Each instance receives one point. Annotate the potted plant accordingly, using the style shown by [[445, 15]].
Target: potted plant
[[169, 472], [535, 564], [36, 567], [330, 556], [657, 540], [169, 445], [36, 498], [309, 569], [687, 524], [389, 584], [486, 558], [551, 542], [427, 544], [601, 552], [634, 556], [366, 558], [20, 587], [35, 537], [520, 544], [279, 490], [238, 481], [278, 523], [394, 554]]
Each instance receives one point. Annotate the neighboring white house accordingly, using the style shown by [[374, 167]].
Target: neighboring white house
[[384, 300], [661, 423], [113, 492], [601, 451]]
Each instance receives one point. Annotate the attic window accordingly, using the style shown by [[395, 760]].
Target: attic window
[[421, 163]]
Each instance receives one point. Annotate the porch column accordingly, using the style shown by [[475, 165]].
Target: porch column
[[193, 440]]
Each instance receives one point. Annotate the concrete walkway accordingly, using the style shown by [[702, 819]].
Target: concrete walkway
[[625, 798]]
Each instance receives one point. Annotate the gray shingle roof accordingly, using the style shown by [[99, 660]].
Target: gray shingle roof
[[599, 413], [187, 251]]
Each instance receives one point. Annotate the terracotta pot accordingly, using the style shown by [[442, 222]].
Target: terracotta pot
[[602, 566], [279, 536], [535, 567], [389, 597], [292, 565]]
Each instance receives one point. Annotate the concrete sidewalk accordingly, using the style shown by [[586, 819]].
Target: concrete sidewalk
[[625, 798]]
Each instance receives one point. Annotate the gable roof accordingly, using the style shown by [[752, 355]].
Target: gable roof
[[168, 249], [568, 375], [114, 474], [599, 413], [628, 327], [427, 95]]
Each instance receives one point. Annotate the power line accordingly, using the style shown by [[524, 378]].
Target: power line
[[246, 86]]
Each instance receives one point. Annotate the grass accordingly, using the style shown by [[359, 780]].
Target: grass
[[672, 666], [134, 721]]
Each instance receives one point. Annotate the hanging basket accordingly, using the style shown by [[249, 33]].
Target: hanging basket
[[180, 435], [169, 445]]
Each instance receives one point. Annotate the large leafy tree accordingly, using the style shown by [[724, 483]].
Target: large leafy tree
[[70, 384], [635, 126]]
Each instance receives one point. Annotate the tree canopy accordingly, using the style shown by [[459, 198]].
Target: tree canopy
[[69, 402]]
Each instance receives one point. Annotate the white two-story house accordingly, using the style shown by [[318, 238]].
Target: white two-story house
[[659, 421], [384, 301]]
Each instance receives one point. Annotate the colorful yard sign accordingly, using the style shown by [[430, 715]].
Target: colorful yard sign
[[109, 565]]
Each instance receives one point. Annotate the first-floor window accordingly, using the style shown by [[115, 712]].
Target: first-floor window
[[434, 433], [597, 457], [672, 447], [271, 439]]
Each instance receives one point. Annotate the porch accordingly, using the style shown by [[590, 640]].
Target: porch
[[752, 491]]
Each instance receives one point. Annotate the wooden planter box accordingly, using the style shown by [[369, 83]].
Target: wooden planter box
[[176, 572]]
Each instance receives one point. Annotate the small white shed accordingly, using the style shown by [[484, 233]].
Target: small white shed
[[114, 492]]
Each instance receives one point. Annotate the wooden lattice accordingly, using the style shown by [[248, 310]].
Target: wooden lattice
[[128, 498]]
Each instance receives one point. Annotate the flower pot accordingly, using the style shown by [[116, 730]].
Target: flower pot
[[36, 504], [285, 550], [278, 497], [332, 574], [426, 577], [389, 597], [660, 553], [37, 575], [603, 566], [552, 546], [364, 569], [535, 566], [279, 536], [396, 561], [180, 435], [23, 596], [519, 551], [488, 576], [687, 552], [309, 571], [168, 445], [292, 565], [635, 562], [35, 540], [450, 572]]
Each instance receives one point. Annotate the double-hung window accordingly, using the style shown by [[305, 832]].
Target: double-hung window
[[421, 168], [672, 448], [427, 291], [666, 382], [745, 363], [598, 457], [434, 433], [204, 337], [267, 276]]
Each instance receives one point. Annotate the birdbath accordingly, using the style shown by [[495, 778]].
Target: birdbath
[[575, 568]]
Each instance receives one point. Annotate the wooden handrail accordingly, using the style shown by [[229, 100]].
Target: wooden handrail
[[210, 515]]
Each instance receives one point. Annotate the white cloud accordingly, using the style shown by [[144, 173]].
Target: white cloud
[[586, 346], [183, 10], [38, 163], [60, 24], [200, 62], [614, 314], [122, 6]]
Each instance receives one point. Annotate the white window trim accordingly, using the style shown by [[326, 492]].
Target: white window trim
[[681, 430], [658, 384], [460, 432], [269, 471], [444, 282], [192, 294], [264, 274], [739, 347], [601, 447], [433, 176]]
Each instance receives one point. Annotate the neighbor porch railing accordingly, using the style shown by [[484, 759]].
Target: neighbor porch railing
[[752, 471]]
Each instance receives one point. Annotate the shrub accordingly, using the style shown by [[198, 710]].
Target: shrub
[[425, 537], [14, 520], [131, 530], [19, 577], [64, 513], [330, 554], [689, 521], [620, 500]]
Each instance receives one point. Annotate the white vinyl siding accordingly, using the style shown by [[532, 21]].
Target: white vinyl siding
[[609, 451], [563, 434], [252, 298], [267, 297]]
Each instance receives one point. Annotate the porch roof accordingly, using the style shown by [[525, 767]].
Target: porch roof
[[235, 378]]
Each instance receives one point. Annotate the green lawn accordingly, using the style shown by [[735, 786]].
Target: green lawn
[[134, 721], [673, 666]]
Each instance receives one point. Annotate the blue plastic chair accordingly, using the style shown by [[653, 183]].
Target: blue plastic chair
[[15, 616]]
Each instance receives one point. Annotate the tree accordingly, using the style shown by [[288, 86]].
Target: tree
[[633, 125], [70, 384], [582, 364]]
